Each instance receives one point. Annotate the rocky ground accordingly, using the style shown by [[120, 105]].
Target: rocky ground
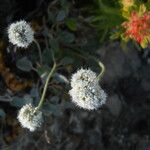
[[123, 123]]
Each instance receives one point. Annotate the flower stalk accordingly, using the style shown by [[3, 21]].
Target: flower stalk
[[46, 85], [102, 70], [39, 51], [101, 65]]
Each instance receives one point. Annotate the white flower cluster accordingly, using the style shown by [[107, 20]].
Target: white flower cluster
[[30, 118], [21, 34], [86, 91]]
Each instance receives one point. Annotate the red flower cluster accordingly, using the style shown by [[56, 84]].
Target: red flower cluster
[[138, 27]]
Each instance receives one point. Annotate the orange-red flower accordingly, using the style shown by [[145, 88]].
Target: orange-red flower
[[138, 28]]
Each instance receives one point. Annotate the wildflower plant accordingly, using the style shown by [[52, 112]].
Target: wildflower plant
[[137, 27], [106, 17], [30, 117], [20, 34], [128, 19], [85, 89]]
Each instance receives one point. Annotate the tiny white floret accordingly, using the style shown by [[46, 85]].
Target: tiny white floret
[[86, 91], [30, 117], [20, 34]]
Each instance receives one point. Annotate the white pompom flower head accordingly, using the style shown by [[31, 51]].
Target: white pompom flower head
[[30, 117], [86, 91], [20, 34]]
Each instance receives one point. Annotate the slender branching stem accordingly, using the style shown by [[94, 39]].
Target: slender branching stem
[[39, 51], [102, 70], [100, 64], [47, 81], [46, 85], [87, 56]]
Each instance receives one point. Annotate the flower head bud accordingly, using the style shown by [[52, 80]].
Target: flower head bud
[[29, 117], [20, 33], [86, 91]]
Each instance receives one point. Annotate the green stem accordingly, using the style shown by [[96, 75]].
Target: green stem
[[102, 70], [46, 85], [100, 64], [39, 50], [87, 56]]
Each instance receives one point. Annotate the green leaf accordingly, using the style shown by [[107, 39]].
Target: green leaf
[[67, 105], [71, 24], [61, 78], [61, 15], [115, 35], [43, 72], [24, 64], [66, 37], [2, 113], [142, 9], [54, 44], [55, 99], [51, 17], [144, 43], [108, 10], [56, 109], [66, 61], [34, 92], [19, 101], [46, 55], [65, 5]]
